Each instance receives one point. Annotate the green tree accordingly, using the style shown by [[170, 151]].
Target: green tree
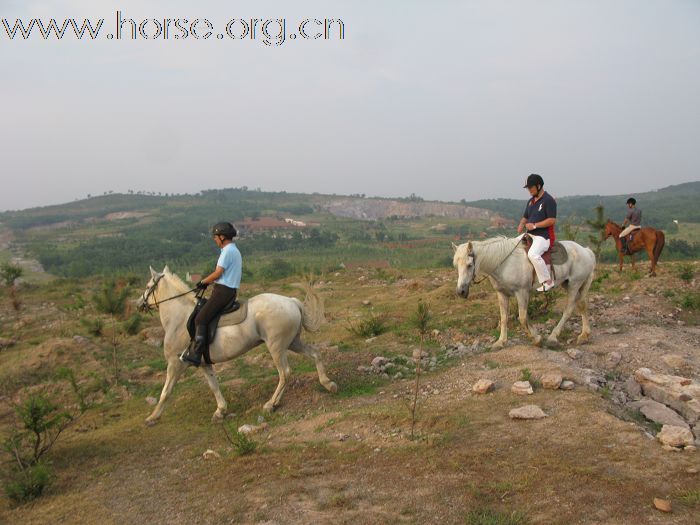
[[597, 238], [112, 301], [9, 273]]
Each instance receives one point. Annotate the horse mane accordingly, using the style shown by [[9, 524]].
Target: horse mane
[[490, 253], [177, 283]]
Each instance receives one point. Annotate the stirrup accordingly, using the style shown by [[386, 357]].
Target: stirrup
[[546, 287], [186, 358]]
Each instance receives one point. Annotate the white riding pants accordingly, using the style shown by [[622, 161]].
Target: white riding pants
[[628, 230], [539, 246]]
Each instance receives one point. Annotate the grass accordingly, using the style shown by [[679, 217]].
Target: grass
[[690, 301], [496, 517], [690, 498]]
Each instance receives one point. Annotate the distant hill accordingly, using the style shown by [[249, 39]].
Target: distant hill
[[660, 208]]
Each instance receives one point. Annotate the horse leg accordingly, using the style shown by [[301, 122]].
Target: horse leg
[[553, 338], [652, 261], [175, 369], [503, 306], [522, 297], [634, 269], [300, 347], [622, 258], [279, 357], [582, 308], [221, 405]]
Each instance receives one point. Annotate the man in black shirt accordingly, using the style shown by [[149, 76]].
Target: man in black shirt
[[539, 218]]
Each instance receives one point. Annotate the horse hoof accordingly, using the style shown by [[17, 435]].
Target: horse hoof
[[332, 387], [217, 418], [537, 341], [150, 422], [554, 343], [268, 408], [581, 339], [498, 345]]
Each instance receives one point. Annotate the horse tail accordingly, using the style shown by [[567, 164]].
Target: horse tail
[[659, 244], [312, 309]]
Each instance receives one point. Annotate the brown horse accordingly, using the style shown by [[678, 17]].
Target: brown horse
[[650, 239]]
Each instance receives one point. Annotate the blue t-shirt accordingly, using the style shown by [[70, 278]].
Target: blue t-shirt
[[544, 208], [232, 263]]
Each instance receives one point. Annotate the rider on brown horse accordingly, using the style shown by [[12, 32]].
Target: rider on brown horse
[[634, 218]]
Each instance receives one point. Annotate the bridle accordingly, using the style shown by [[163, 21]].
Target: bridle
[[147, 307], [474, 280]]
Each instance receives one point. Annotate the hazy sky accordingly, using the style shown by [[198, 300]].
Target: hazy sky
[[446, 99]]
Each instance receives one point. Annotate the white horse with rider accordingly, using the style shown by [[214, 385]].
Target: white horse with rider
[[505, 264], [272, 319]]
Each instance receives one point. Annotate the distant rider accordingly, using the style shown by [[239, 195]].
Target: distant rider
[[539, 219], [227, 279], [634, 218]]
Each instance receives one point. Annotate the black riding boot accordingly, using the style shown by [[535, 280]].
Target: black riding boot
[[625, 251], [193, 354]]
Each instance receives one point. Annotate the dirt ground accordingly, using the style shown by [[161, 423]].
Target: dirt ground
[[349, 457]]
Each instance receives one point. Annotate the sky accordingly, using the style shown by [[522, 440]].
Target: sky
[[448, 100]]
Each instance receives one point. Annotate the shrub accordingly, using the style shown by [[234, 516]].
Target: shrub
[[277, 269], [241, 443], [132, 324], [690, 301], [27, 484], [370, 326], [686, 272], [93, 326]]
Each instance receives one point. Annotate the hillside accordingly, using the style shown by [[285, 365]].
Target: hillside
[[128, 232]]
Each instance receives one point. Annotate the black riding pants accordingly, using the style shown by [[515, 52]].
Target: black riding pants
[[220, 296]]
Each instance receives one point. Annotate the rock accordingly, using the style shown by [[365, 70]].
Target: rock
[[371, 339], [154, 341], [567, 385], [612, 360], [521, 388], [211, 454], [366, 303], [573, 353], [675, 436], [612, 331], [482, 386], [527, 412], [77, 338], [343, 437], [252, 429], [436, 332], [379, 361], [674, 361], [662, 504], [551, 381], [659, 413], [633, 389], [151, 400], [670, 390]]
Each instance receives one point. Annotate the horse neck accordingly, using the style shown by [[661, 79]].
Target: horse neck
[[173, 313], [491, 256]]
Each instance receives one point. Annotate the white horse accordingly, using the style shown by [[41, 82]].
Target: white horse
[[505, 263], [273, 319]]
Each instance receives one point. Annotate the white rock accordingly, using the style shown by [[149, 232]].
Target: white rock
[[659, 413], [573, 353], [151, 400], [251, 429], [379, 361], [482, 386], [612, 360], [675, 436], [679, 393], [211, 454], [674, 360], [521, 388], [551, 381], [527, 412], [567, 385]]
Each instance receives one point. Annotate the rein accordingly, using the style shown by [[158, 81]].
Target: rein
[[152, 292]]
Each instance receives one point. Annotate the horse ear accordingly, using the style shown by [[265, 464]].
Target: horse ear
[[469, 248], [153, 272], [166, 269], [454, 247]]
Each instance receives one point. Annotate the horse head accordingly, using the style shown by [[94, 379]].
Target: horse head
[[148, 300], [611, 229], [464, 262]]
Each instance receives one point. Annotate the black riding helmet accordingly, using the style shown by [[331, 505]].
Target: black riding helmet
[[632, 201], [534, 180], [225, 229]]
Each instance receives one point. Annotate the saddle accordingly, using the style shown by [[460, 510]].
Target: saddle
[[233, 313], [556, 254]]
